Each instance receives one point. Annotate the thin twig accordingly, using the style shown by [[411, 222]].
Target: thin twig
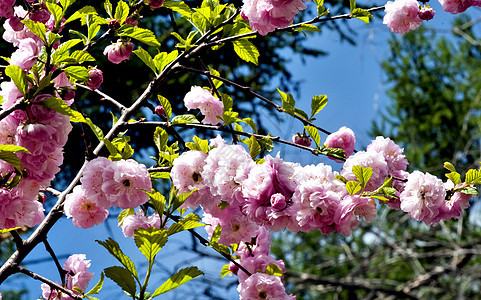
[[104, 96], [60, 270]]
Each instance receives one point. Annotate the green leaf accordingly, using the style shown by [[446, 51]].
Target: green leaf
[[114, 249], [308, 27], [96, 289], [353, 187], [254, 147], [185, 119], [317, 104], [275, 270], [13, 148], [217, 83], [122, 278], [160, 138], [2, 231], [66, 3], [95, 129], [321, 10], [449, 166], [12, 159], [454, 177], [251, 124], [314, 134], [226, 101], [178, 279], [473, 177], [18, 77], [121, 11], [246, 51], [469, 191], [166, 105], [203, 144], [164, 175], [108, 8], [229, 117], [36, 28], [86, 10], [77, 72], [163, 59], [361, 14], [300, 113], [341, 178], [81, 56], [225, 271], [56, 11], [146, 58], [150, 241], [60, 106], [363, 174], [188, 222], [62, 48], [352, 5], [143, 35], [180, 199], [179, 7], [124, 214], [288, 102], [158, 201]]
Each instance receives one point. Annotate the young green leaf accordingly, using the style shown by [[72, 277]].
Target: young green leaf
[[122, 278], [353, 187], [158, 201], [166, 105], [473, 177], [56, 11], [95, 129], [185, 119], [160, 138], [60, 106], [275, 270], [108, 8], [449, 166], [179, 7], [150, 241], [314, 134], [18, 77], [246, 51], [96, 289], [143, 35], [162, 59], [12, 159], [225, 271], [124, 214], [455, 177], [121, 11], [217, 83], [190, 221], [363, 174], [361, 14], [114, 249], [86, 10], [36, 28], [254, 147], [317, 104], [163, 175], [77, 72], [178, 279]]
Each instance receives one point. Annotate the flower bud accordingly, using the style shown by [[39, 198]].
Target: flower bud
[[155, 3], [278, 202], [233, 268], [302, 140], [114, 24], [159, 110], [96, 78], [132, 21], [15, 23], [426, 13]]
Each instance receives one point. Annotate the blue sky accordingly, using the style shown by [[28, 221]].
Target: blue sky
[[353, 81]]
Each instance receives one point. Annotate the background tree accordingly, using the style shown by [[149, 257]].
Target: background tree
[[435, 90]]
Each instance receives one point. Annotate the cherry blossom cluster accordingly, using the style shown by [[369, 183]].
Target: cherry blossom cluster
[[139, 220], [76, 275], [405, 15], [267, 15], [105, 184], [254, 257]]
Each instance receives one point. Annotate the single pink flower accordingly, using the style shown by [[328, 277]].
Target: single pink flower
[[261, 286], [139, 220], [119, 51], [84, 212], [211, 107], [402, 15], [96, 78], [344, 139]]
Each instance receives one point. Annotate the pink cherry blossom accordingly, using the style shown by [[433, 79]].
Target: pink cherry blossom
[[350, 209], [209, 106], [423, 197], [402, 15], [124, 182], [344, 139], [426, 13], [302, 140], [261, 286], [258, 263], [155, 3], [77, 275], [26, 55], [259, 244], [139, 220], [92, 180], [267, 15], [458, 6], [119, 51], [393, 154], [84, 212]]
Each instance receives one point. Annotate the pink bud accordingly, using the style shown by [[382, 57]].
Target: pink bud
[[42, 198], [159, 110], [302, 140], [132, 21], [155, 3], [233, 268], [114, 24], [96, 78], [278, 202], [15, 23], [426, 13]]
